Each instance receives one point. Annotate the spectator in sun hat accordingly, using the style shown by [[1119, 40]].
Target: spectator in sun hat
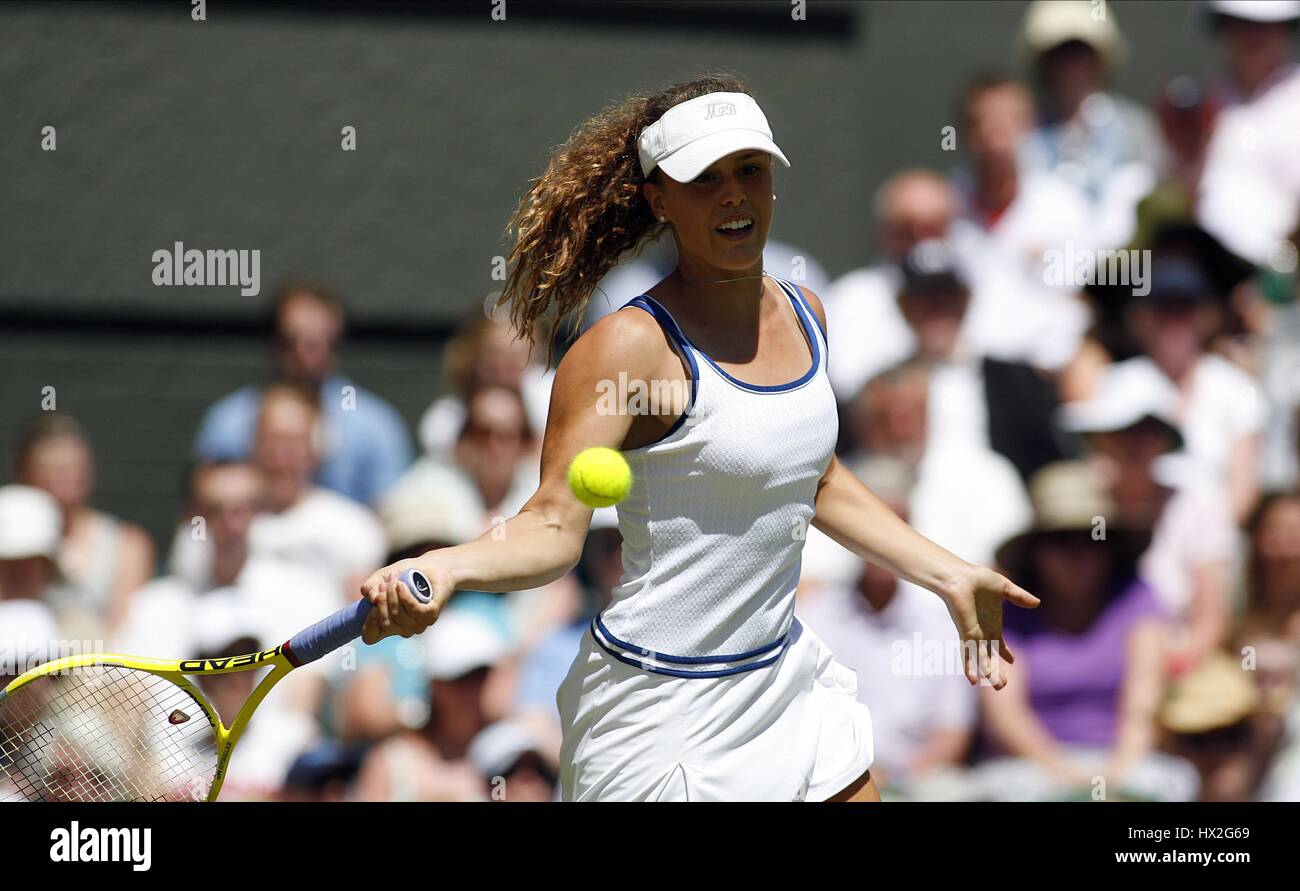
[[1208, 718], [1219, 408], [431, 763], [1103, 144], [1250, 189], [435, 505], [509, 756], [1094, 644], [493, 461], [1130, 436]]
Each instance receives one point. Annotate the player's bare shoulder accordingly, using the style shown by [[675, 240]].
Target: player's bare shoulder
[[628, 341], [815, 302]]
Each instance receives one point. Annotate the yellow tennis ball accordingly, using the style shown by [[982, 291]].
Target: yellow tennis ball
[[600, 477]]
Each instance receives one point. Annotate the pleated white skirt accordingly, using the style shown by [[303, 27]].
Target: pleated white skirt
[[791, 731]]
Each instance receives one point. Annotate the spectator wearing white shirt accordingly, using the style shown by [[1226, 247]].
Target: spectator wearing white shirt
[[974, 398], [867, 332], [959, 492], [1250, 188], [1026, 311], [956, 490], [222, 501], [1219, 408], [1099, 142], [304, 523]]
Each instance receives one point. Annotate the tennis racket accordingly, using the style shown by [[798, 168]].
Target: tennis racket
[[104, 727]]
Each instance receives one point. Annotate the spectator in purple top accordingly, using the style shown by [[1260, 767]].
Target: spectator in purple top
[[1088, 672]]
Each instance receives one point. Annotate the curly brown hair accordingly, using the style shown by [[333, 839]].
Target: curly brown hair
[[581, 215]]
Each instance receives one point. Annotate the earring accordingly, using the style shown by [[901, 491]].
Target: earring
[[663, 219], [773, 197]]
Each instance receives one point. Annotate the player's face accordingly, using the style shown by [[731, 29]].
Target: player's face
[[737, 186]]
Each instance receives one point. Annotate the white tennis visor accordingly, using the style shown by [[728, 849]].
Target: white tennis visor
[[694, 134]]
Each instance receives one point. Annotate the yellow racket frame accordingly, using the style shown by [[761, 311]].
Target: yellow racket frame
[[179, 673]]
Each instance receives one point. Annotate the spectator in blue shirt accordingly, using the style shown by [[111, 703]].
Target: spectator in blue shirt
[[367, 445]]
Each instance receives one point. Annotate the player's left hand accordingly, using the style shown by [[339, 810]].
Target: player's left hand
[[975, 604]]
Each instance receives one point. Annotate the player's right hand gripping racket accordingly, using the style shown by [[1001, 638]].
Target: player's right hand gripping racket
[[104, 727]]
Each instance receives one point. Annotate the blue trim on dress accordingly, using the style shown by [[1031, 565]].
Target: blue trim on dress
[[688, 660], [798, 292], [671, 672], [814, 347], [669, 324]]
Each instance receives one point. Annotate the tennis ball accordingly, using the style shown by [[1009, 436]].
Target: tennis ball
[[600, 477]]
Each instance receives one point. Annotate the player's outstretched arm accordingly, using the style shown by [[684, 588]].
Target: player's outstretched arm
[[544, 540], [851, 514]]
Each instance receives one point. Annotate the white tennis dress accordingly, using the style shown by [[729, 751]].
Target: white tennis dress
[[698, 682]]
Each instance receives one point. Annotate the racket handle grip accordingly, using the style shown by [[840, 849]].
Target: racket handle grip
[[344, 626]]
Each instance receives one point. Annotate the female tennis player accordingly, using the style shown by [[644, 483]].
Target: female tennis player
[[697, 682]]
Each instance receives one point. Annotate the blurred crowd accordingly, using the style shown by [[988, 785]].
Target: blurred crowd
[[1076, 357]]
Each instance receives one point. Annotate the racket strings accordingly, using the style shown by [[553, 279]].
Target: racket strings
[[105, 733]]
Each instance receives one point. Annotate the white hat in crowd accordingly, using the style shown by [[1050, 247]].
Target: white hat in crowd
[[1258, 10], [221, 617], [604, 518], [460, 642], [30, 523], [1126, 395], [430, 503], [498, 747], [1049, 23]]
